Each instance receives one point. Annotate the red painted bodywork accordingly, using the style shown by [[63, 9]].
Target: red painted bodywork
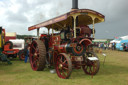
[[9, 51], [55, 42], [42, 35], [8, 38]]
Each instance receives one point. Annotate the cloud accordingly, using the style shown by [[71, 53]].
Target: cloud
[[18, 15]]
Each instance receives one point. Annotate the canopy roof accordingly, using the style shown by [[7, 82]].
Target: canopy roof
[[84, 18]]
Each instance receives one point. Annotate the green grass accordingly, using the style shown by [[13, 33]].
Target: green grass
[[114, 72]]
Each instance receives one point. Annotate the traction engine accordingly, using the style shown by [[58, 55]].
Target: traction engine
[[69, 49]]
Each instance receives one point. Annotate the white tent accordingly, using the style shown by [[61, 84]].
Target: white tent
[[115, 41]]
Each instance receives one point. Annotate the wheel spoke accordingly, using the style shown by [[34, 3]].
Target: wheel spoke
[[60, 69], [65, 68], [37, 62], [60, 61], [90, 70], [34, 63], [61, 57], [37, 50], [94, 69], [94, 65], [64, 62], [63, 73], [86, 67]]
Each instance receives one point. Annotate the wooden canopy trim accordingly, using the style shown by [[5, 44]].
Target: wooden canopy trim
[[65, 16]]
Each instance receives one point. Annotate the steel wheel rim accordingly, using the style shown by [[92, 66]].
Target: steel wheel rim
[[22, 56], [62, 67], [34, 55], [91, 67]]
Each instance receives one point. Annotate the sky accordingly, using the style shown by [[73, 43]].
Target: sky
[[18, 15]]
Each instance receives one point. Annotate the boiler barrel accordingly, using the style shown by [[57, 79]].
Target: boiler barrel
[[64, 48]]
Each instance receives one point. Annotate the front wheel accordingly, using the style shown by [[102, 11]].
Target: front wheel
[[63, 66], [91, 67]]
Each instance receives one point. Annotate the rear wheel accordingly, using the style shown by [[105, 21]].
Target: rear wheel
[[63, 66], [91, 67], [21, 55], [37, 55]]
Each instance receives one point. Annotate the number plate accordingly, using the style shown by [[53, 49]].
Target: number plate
[[79, 58], [93, 58]]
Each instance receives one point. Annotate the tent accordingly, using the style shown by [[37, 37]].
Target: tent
[[115, 41], [119, 39], [124, 37]]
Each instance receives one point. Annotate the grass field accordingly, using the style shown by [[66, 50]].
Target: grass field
[[114, 72]]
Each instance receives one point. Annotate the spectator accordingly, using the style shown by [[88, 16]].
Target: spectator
[[99, 45], [123, 45], [110, 45], [26, 51], [113, 46], [105, 46], [102, 45]]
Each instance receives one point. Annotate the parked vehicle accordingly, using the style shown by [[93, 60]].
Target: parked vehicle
[[121, 45], [69, 49], [6, 48], [19, 44]]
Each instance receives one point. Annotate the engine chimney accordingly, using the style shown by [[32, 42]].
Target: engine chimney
[[74, 5]]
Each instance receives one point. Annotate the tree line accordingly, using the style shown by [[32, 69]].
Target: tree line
[[24, 36]]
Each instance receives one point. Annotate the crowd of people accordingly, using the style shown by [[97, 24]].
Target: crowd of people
[[105, 45]]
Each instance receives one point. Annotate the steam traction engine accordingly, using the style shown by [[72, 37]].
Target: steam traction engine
[[69, 49]]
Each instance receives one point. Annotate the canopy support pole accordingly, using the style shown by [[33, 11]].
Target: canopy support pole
[[48, 31], [93, 28], [38, 32], [74, 26], [74, 18], [52, 30]]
